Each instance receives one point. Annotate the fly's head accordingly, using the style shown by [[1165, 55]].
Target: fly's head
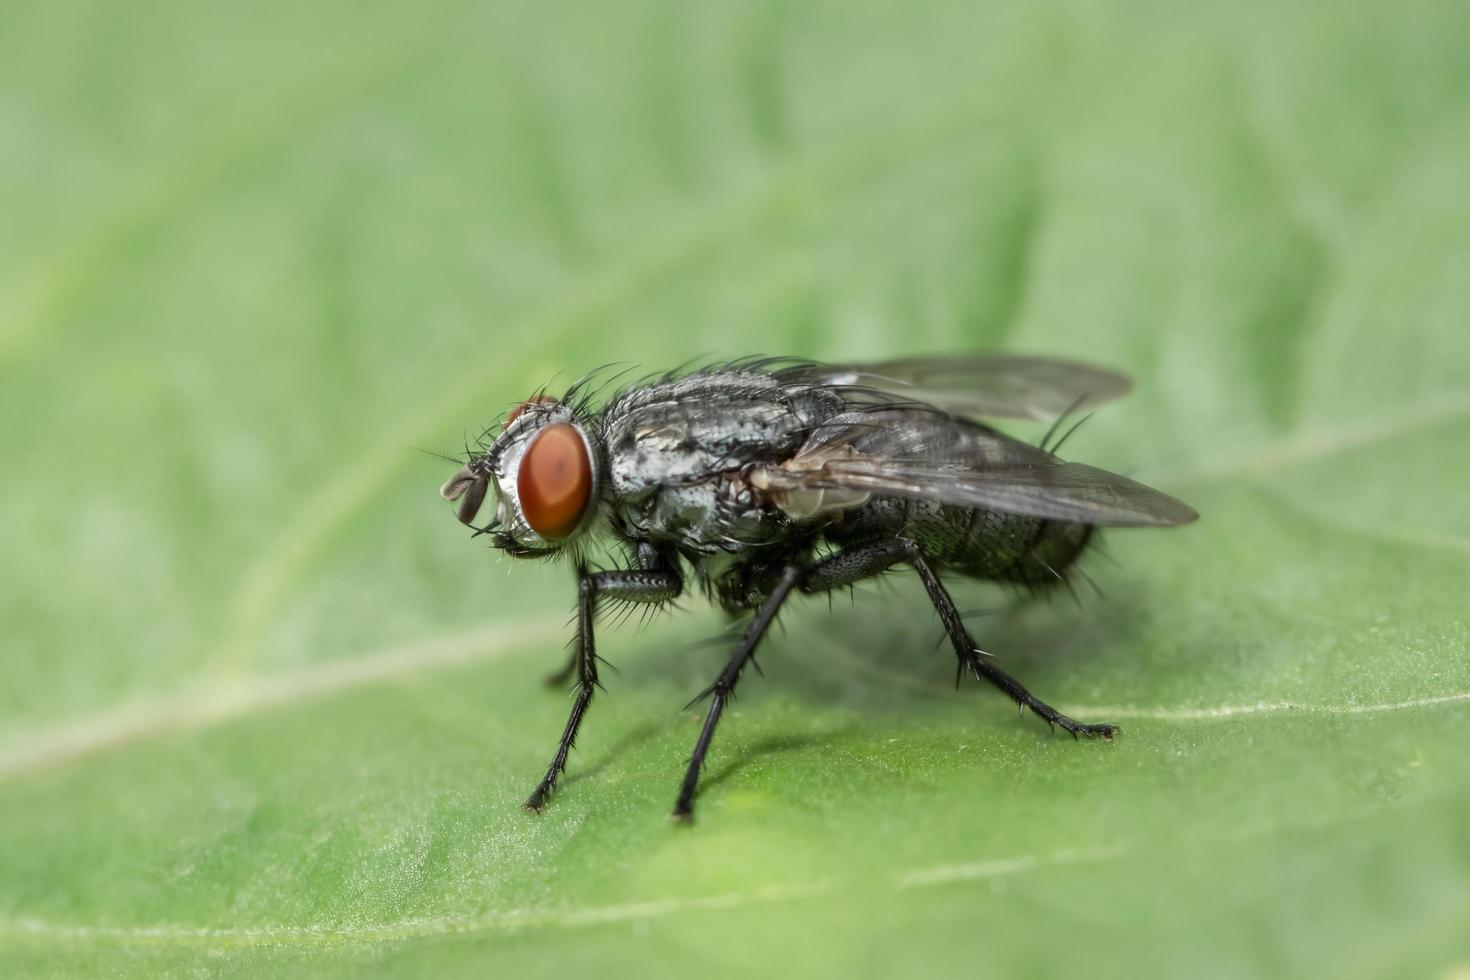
[[545, 471]]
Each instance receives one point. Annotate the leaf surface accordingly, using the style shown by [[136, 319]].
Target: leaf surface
[[265, 710]]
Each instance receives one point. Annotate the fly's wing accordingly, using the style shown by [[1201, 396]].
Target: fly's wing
[[979, 385], [906, 453]]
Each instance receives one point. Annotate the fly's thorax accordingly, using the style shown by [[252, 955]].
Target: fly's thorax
[[678, 454], [684, 430]]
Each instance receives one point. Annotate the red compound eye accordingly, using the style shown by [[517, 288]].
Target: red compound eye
[[554, 485]]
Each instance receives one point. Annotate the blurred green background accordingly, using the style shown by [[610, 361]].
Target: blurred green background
[[264, 709]]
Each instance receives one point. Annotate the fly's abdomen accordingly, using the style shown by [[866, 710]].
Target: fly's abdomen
[[1028, 550], [981, 543]]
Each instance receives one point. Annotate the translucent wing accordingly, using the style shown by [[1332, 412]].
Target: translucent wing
[[980, 385], [906, 453], [1058, 491]]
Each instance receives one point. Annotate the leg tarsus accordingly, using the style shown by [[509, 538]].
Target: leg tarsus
[[543, 790], [1024, 699]]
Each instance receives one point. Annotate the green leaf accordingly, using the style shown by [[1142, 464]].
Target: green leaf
[[265, 710]]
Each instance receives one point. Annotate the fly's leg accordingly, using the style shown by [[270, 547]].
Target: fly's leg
[[559, 677], [566, 671], [653, 585], [843, 569], [865, 561], [724, 686]]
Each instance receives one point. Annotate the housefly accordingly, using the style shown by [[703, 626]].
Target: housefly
[[760, 478]]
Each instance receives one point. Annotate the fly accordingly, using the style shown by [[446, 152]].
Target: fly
[[761, 478]]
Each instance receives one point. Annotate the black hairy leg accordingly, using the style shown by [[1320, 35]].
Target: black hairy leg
[[564, 673], [652, 585], [843, 569], [647, 558], [723, 688], [865, 561]]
